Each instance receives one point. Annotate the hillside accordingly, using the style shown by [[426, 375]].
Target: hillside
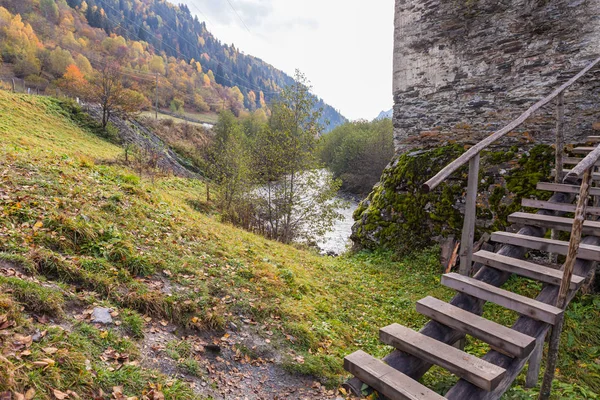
[[200, 309], [196, 72]]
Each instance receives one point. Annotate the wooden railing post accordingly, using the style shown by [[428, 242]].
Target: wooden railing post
[[535, 362], [560, 146], [561, 302], [468, 232], [560, 141]]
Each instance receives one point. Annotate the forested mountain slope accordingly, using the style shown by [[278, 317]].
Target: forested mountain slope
[[40, 39]]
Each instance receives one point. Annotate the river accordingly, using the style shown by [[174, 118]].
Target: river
[[338, 239]]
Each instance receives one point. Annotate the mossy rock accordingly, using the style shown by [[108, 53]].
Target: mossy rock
[[398, 215]]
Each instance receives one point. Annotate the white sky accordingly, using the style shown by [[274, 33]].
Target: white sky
[[344, 47]]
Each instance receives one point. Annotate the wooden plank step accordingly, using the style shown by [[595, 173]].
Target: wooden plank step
[[595, 175], [475, 370], [593, 139], [521, 304], [386, 380], [549, 205], [525, 268], [574, 161], [551, 222], [586, 251], [564, 188], [504, 339], [583, 150]]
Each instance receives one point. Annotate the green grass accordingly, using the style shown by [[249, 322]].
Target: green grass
[[73, 219], [208, 118]]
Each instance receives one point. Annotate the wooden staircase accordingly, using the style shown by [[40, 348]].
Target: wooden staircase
[[512, 347], [510, 342]]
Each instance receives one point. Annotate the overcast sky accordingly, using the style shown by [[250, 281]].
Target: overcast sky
[[344, 47]]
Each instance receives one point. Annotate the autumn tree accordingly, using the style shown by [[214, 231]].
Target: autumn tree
[[106, 89], [49, 10], [59, 60], [73, 81]]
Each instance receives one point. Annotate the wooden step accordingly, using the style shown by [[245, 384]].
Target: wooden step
[[574, 161], [583, 150], [549, 205], [586, 251], [593, 139], [505, 340], [525, 268], [521, 304], [385, 379], [551, 222], [475, 370], [595, 175], [564, 188]]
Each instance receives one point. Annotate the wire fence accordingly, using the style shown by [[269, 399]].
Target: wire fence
[[20, 85]]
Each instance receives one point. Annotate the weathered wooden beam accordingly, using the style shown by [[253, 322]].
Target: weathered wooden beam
[[560, 142], [466, 156], [535, 362], [468, 232], [547, 205], [588, 162], [387, 380], [498, 336]]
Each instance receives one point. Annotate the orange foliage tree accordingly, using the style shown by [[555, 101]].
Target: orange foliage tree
[[73, 81]]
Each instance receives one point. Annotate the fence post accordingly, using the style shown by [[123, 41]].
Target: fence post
[[13, 84], [468, 232]]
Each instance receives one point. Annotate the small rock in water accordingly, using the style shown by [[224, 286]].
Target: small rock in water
[[101, 315]]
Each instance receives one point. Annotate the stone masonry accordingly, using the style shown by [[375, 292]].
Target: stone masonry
[[464, 68]]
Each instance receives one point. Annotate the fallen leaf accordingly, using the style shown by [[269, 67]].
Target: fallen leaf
[[59, 395], [30, 394], [37, 225], [49, 350]]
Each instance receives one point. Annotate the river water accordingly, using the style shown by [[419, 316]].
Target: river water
[[338, 240]]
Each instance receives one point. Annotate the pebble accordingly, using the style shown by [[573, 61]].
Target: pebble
[[101, 315]]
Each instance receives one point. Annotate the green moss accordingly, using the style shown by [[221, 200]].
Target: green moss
[[399, 216]]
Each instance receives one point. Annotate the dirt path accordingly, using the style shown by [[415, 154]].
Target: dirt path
[[226, 370]]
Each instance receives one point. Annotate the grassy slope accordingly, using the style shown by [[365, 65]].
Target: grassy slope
[[104, 236]]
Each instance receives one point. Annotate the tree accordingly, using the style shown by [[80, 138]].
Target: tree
[[49, 10], [227, 164], [73, 80], [297, 192], [176, 106], [106, 89], [59, 61], [84, 65], [157, 65]]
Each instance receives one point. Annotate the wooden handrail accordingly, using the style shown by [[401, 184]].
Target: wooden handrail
[[465, 157], [584, 165]]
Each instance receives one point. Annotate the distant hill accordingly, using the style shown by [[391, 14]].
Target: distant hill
[[39, 39], [173, 30], [385, 114]]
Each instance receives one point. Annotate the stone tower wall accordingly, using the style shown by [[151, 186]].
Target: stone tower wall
[[463, 68]]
